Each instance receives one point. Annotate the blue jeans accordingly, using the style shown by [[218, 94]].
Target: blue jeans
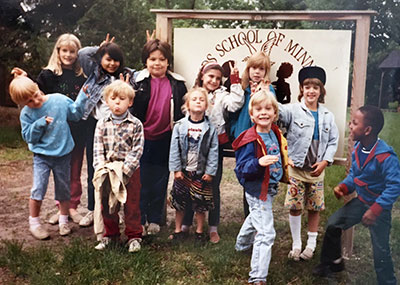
[[154, 174], [350, 215], [60, 166], [258, 230]]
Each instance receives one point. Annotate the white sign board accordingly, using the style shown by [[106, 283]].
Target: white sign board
[[329, 49]]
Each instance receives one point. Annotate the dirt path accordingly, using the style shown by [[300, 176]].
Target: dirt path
[[15, 184]]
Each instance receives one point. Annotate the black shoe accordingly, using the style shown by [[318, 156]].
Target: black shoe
[[325, 269], [200, 238], [177, 236]]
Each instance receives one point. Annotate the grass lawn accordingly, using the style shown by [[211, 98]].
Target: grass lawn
[[161, 262]]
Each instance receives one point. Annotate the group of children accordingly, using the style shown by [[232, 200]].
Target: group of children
[[139, 126]]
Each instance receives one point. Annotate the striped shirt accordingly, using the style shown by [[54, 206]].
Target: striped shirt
[[118, 142]]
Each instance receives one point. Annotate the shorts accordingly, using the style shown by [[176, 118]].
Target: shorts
[[61, 168], [192, 191], [305, 195]]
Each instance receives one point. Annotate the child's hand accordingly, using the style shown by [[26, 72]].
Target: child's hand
[[48, 119], [233, 68], [150, 37], [126, 79], [253, 87], [84, 89], [319, 167], [107, 40], [338, 192], [290, 162], [16, 71], [369, 218], [178, 175], [268, 160], [207, 177]]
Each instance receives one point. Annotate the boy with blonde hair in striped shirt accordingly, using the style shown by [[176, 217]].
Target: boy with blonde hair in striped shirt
[[120, 137]]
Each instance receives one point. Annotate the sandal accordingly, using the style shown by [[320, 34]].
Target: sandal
[[294, 254], [177, 236], [307, 254]]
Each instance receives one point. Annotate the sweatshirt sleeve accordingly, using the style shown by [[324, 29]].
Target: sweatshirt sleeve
[[77, 108], [31, 130]]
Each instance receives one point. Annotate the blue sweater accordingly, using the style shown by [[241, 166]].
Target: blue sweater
[[52, 139], [377, 181]]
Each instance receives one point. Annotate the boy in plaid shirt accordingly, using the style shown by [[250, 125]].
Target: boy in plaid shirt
[[119, 137]]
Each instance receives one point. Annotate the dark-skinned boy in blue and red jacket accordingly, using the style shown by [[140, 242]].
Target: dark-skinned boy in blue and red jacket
[[375, 177]]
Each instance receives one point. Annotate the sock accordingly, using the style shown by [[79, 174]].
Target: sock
[[63, 219], [213, 229], [34, 222], [295, 229], [185, 228], [312, 240], [337, 261]]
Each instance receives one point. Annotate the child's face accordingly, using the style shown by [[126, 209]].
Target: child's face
[[68, 55], [256, 74], [108, 64], [263, 115], [36, 100], [197, 103], [118, 103], [157, 64], [357, 127], [211, 80], [311, 93]]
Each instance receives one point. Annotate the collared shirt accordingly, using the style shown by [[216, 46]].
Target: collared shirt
[[118, 142]]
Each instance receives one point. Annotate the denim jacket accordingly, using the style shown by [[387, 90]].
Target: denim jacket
[[207, 162], [96, 82], [299, 122]]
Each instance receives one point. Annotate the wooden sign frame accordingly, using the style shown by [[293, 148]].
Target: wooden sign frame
[[164, 27]]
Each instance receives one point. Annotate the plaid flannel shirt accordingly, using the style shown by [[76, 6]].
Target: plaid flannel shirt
[[122, 142]]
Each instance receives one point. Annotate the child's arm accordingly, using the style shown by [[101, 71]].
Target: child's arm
[[77, 108], [212, 158], [390, 172], [99, 157], [131, 162], [234, 101], [333, 140], [285, 114], [175, 163], [85, 56], [247, 164], [32, 131]]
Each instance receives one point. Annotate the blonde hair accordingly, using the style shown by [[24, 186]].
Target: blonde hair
[[54, 64], [264, 96], [313, 81], [22, 89], [119, 87], [259, 59], [186, 98]]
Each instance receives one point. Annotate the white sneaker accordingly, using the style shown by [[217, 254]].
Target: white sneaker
[[87, 220], [134, 245], [153, 229], [103, 243], [39, 232], [64, 229], [54, 219]]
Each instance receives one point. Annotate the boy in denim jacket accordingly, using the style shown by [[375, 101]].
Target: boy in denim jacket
[[375, 177], [260, 165]]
